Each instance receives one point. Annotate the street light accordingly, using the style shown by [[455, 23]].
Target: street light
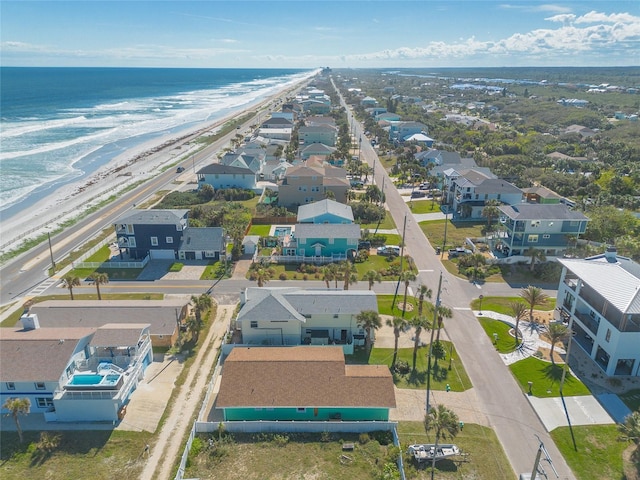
[[446, 221], [53, 263], [480, 298]]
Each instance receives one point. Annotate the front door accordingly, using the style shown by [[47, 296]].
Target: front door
[[318, 250]]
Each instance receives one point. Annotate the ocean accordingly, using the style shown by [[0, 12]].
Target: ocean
[[59, 125]]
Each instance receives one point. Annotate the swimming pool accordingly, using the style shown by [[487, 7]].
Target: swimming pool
[[94, 380], [282, 231]]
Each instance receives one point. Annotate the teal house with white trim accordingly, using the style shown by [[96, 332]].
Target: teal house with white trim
[[302, 383]]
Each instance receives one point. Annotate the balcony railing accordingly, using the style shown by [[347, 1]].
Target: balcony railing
[[588, 322]]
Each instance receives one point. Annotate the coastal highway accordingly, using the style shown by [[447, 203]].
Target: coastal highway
[[22, 274]]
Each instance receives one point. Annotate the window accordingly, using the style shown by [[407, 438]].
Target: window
[[44, 402], [154, 241], [301, 410], [10, 386], [335, 315], [132, 242], [608, 335], [331, 241], [169, 239], [532, 239], [546, 235], [40, 385], [254, 324]]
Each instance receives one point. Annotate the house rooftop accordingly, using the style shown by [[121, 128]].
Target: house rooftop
[[301, 377], [220, 169], [327, 230], [541, 211], [153, 216], [118, 335], [314, 209], [202, 238]]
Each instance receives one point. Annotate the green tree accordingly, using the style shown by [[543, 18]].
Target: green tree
[[328, 275], [329, 194], [536, 254], [443, 312], [630, 428], [263, 275], [369, 320], [423, 291], [419, 323], [100, 279], [17, 406], [490, 211], [372, 276], [534, 296], [407, 277], [69, 281], [399, 325], [557, 332], [518, 311], [445, 425], [349, 274], [201, 304]]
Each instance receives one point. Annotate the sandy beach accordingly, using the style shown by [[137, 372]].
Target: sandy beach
[[133, 166]]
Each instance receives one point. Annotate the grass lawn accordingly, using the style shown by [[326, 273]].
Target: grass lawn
[[213, 271], [632, 399], [486, 458], [12, 319], [456, 232], [506, 343], [288, 455], [101, 256], [424, 206], [546, 378], [80, 454], [386, 224], [599, 452], [457, 377], [392, 239], [386, 305], [501, 305], [262, 230]]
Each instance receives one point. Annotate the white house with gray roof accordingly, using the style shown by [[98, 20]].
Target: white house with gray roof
[[294, 316], [325, 211], [600, 299]]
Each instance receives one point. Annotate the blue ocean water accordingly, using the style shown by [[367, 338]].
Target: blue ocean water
[[61, 124]]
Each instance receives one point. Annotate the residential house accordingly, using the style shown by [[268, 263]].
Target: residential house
[[468, 191], [163, 316], [600, 298], [580, 130], [318, 134], [249, 157], [375, 111], [420, 139], [222, 177], [551, 228], [294, 316], [316, 150], [156, 233], [317, 120], [369, 102], [302, 384], [277, 122], [398, 131], [286, 115], [309, 182], [206, 243], [325, 211], [337, 240], [84, 375], [315, 106], [388, 117], [540, 194], [276, 133]]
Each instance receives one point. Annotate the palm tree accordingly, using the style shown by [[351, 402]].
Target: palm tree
[[535, 254], [372, 277], [349, 274], [630, 428], [399, 324], [369, 320], [557, 332], [69, 281], [534, 296], [262, 276], [444, 423], [490, 211], [329, 194], [518, 311], [100, 279], [327, 276], [407, 277], [419, 323], [17, 406], [423, 291], [201, 304], [443, 312]]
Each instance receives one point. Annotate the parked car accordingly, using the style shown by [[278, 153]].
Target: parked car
[[387, 250], [356, 183], [364, 245], [179, 169], [458, 251], [418, 194]]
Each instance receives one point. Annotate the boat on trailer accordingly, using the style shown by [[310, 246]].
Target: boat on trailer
[[425, 452]]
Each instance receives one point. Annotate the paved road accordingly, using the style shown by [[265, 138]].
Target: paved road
[[510, 414]]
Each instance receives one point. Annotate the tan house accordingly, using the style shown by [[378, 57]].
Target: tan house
[[309, 182]]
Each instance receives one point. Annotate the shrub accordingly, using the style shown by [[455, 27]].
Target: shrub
[[402, 367], [305, 277], [282, 276], [280, 440], [363, 438]]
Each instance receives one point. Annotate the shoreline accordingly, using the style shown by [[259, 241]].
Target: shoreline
[[135, 165]]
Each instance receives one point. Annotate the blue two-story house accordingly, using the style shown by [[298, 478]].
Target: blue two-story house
[[324, 240], [156, 233], [548, 227]]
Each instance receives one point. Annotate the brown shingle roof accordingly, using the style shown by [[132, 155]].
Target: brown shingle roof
[[301, 377], [34, 360], [113, 335]]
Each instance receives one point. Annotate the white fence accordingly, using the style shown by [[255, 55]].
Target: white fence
[[295, 426], [300, 259], [112, 264]]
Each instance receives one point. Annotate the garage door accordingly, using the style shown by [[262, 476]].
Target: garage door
[[162, 255]]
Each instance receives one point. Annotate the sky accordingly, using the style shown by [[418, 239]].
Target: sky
[[311, 34]]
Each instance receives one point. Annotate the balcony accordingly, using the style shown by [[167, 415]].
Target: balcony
[[588, 322]]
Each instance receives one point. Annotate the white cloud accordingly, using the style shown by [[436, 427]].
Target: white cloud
[[595, 17], [562, 18]]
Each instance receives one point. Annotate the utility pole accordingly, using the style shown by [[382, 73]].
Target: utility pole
[[404, 228], [53, 263], [541, 449], [433, 327]]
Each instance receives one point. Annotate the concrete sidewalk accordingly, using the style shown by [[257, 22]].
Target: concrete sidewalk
[[583, 410]]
